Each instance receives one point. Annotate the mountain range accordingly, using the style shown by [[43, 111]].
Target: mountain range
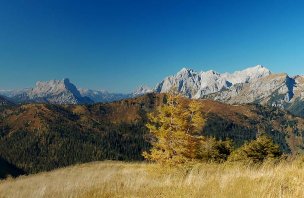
[[197, 84], [65, 92], [40, 131], [252, 85]]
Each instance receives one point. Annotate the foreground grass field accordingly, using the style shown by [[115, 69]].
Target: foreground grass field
[[117, 179]]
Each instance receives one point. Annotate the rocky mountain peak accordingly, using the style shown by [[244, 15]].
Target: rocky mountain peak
[[142, 90], [257, 71], [66, 80], [185, 72], [53, 87], [197, 84], [53, 91]]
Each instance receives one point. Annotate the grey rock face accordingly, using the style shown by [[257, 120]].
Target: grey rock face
[[198, 84], [55, 92], [253, 85], [142, 90], [277, 90], [64, 92]]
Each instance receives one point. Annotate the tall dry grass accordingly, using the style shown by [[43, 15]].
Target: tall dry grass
[[117, 179]]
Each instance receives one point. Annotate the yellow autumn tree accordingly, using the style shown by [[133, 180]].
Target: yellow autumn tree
[[175, 127]]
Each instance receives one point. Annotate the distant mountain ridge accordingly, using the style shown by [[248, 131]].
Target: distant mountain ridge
[[53, 91], [13, 92], [252, 85], [279, 90], [64, 92], [102, 96], [188, 82], [5, 101], [197, 84]]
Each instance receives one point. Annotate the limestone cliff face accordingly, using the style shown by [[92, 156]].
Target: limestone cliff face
[[253, 85], [198, 84], [279, 90], [54, 92]]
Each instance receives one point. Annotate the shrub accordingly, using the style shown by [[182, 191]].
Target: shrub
[[256, 151], [212, 150]]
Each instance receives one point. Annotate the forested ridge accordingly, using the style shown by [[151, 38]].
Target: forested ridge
[[41, 137]]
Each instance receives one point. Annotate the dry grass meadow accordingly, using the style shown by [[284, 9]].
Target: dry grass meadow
[[118, 179]]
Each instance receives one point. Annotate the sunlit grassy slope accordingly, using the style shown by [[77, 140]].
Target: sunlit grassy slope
[[116, 179]]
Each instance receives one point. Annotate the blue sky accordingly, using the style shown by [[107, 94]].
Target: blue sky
[[120, 44]]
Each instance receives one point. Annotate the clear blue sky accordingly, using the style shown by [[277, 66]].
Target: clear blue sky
[[120, 44]]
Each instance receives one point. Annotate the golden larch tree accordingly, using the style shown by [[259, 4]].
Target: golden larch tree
[[175, 127]]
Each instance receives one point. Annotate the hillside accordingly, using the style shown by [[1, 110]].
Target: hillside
[[8, 169], [40, 137], [117, 179]]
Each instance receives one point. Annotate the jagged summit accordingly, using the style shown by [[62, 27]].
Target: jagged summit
[[53, 91], [142, 90], [185, 70], [257, 67], [278, 90], [197, 84], [52, 87], [255, 84]]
